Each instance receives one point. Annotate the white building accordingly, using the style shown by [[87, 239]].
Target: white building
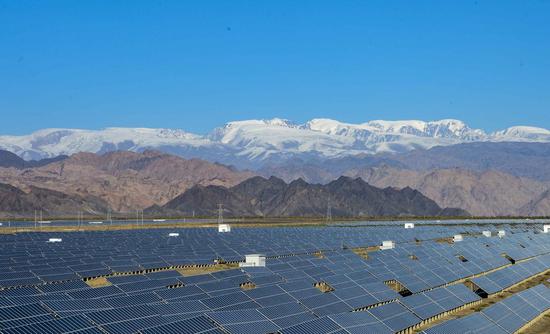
[[253, 260], [501, 234], [223, 228], [409, 225], [487, 233], [546, 228], [458, 238], [388, 244]]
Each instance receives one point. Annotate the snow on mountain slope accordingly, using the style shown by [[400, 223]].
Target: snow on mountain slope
[[522, 133], [448, 128], [259, 139], [54, 142], [252, 142]]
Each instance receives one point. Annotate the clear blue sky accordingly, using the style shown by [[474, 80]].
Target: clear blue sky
[[197, 64]]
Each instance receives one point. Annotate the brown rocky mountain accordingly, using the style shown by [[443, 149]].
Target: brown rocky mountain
[[488, 193], [273, 197], [14, 202], [539, 206], [125, 180]]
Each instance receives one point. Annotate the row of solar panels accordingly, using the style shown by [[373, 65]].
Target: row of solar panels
[[357, 283], [73, 267], [499, 280], [196, 245], [382, 272], [328, 305], [506, 316], [285, 317], [410, 277]]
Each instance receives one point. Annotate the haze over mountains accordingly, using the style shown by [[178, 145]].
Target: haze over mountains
[[498, 174]]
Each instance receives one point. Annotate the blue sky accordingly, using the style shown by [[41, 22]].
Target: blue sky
[[197, 64]]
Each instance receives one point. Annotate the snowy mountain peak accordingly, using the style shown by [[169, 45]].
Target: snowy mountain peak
[[329, 126], [248, 142], [447, 128], [524, 130], [522, 133], [261, 122]]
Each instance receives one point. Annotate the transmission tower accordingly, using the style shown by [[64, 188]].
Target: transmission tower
[[329, 211], [220, 213]]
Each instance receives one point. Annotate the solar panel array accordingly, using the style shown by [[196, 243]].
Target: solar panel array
[[506, 316], [43, 288]]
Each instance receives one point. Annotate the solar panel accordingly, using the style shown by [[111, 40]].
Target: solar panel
[[360, 322], [395, 316], [317, 326], [64, 325], [503, 317], [472, 323], [136, 302], [199, 324]]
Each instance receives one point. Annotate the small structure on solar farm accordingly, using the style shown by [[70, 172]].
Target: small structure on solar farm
[[409, 225], [488, 234], [173, 234], [501, 234], [388, 244], [546, 228], [224, 228], [458, 238], [52, 240], [253, 260]]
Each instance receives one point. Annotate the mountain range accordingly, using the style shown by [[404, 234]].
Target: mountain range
[[255, 143], [530, 160], [127, 181], [504, 173], [487, 193], [168, 185], [347, 197]]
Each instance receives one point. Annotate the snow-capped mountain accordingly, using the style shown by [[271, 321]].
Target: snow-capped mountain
[[522, 133], [448, 128], [253, 142]]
